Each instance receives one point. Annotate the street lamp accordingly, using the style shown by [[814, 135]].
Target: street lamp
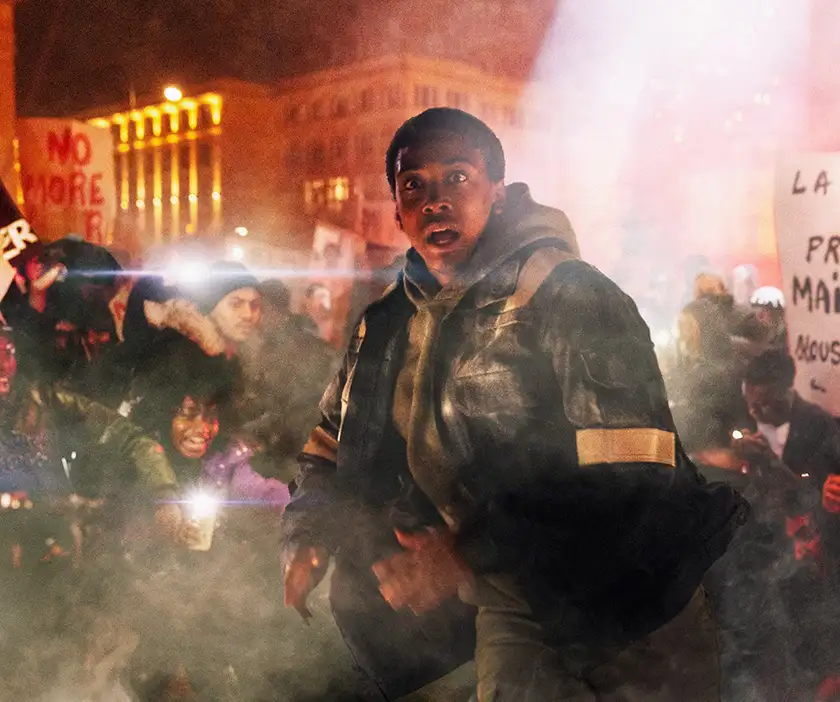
[[241, 231], [172, 93]]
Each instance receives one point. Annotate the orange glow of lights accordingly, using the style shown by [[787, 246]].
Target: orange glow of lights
[[173, 93], [216, 195], [193, 197]]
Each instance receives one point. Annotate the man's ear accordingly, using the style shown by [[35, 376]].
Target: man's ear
[[397, 218], [499, 197]]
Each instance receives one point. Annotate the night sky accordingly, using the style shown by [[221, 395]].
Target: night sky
[[76, 54]]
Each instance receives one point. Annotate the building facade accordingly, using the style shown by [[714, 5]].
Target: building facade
[[8, 172], [231, 156], [337, 124], [170, 176]]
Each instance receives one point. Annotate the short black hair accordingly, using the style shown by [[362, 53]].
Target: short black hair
[[446, 119], [772, 367]]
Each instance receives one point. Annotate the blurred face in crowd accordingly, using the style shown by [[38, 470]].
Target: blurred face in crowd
[[238, 314], [194, 427], [769, 404], [8, 364], [444, 200], [319, 304], [707, 284]]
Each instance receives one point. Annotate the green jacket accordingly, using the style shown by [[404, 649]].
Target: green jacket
[[112, 450]]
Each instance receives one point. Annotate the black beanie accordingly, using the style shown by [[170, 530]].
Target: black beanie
[[223, 278]]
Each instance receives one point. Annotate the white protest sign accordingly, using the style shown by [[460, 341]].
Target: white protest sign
[[67, 171], [808, 231]]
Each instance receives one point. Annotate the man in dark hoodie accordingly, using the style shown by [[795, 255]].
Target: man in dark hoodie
[[515, 390]]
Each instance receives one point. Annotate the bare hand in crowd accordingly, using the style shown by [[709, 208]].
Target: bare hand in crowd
[[722, 458], [753, 447], [831, 494], [171, 524], [183, 316], [303, 573], [428, 572]]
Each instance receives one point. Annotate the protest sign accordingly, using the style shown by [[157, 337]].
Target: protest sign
[[67, 172], [16, 238], [808, 232]]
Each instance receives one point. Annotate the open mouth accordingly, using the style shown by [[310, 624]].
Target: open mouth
[[194, 444], [441, 236]]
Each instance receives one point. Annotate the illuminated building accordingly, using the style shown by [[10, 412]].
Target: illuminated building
[[231, 156], [7, 95], [191, 165]]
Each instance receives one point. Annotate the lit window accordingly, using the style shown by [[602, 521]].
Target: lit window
[[314, 195], [338, 192]]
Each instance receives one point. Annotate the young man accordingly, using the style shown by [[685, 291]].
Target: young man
[[515, 388], [796, 447]]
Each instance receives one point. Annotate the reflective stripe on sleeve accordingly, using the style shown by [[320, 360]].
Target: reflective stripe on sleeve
[[644, 445]]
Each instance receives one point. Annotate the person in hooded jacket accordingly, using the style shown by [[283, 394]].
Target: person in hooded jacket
[[515, 389]]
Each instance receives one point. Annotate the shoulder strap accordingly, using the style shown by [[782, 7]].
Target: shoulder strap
[[536, 269]]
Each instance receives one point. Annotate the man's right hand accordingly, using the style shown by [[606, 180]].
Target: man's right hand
[[303, 573]]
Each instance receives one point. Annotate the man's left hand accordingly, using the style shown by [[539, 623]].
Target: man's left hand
[[754, 447], [428, 572]]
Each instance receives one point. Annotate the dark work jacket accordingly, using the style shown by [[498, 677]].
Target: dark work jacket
[[813, 449], [604, 553]]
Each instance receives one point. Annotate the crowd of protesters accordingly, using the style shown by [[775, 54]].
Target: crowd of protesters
[[495, 473], [114, 430], [730, 384]]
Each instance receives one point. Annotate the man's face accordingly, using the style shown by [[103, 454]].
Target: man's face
[[444, 200], [238, 314], [8, 365], [194, 427], [769, 404]]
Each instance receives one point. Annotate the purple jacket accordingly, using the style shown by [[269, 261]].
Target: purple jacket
[[245, 485]]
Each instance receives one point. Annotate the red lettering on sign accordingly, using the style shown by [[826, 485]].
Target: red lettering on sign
[[93, 227], [77, 189], [96, 196], [57, 190], [68, 145]]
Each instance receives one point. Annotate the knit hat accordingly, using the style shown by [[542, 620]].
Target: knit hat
[[223, 278]]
